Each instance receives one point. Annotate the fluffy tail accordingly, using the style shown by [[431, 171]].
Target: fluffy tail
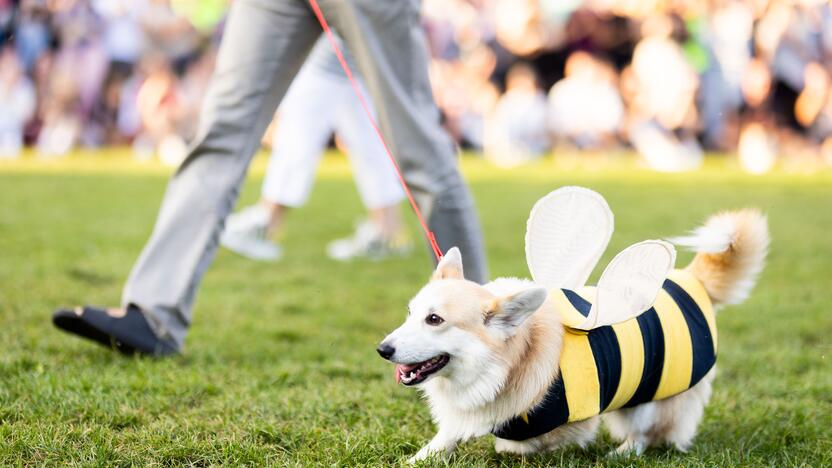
[[731, 250]]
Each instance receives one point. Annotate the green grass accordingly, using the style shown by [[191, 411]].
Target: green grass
[[280, 367]]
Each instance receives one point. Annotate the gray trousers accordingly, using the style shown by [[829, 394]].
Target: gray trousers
[[264, 44]]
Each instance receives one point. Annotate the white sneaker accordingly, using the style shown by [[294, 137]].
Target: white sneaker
[[368, 242], [246, 234]]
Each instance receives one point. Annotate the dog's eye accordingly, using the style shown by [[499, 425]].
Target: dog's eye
[[433, 319]]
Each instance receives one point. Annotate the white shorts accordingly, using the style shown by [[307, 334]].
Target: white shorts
[[317, 104]]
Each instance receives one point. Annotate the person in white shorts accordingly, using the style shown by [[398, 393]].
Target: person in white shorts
[[319, 102]]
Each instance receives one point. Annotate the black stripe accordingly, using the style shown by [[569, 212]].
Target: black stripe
[[579, 303], [607, 354], [701, 340], [652, 336], [551, 413]]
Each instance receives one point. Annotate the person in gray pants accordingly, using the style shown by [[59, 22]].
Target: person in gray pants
[[264, 44]]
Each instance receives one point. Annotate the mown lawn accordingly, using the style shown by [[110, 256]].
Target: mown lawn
[[280, 367]]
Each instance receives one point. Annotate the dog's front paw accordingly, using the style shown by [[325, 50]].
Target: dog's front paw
[[426, 453], [420, 456], [441, 445]]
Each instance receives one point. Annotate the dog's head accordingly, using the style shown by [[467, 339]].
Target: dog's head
[[456, 329]]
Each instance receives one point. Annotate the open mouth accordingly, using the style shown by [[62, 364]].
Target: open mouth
[[416, 373]]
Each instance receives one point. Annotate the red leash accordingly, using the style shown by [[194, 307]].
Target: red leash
[[428, 233]]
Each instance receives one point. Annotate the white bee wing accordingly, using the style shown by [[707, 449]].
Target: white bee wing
[[567, 232], [630, 283]]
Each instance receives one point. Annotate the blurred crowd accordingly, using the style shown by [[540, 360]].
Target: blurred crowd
[[514, 79], [518, 78], [103, 72]]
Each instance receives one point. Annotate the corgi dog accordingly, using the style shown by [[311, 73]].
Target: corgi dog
[[502, 358]]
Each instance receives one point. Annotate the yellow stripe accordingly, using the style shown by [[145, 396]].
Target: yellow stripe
[[571, 316], [697, 292], [632, 361], [678, 351], [580, 377]]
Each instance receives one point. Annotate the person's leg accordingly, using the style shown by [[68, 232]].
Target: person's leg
[[277, 214], [376, 181], [383, 234], [387, 40], [264, 45], [304, 126]]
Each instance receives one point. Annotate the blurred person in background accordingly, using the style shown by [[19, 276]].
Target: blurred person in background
[[160, 107], [787, 83], [263, 47], [32, 32], [321, 101], [757, 138], [730, 29], [661, 86], [17, 102], [82, 64], [168, 33], [585, 107], [466, 94], [528, 27], [128, 120], [123, 32], [516, 130], [124, 42], [61, 114], [463, 65]]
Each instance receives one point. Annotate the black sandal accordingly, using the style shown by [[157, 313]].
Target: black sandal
[[128, 334]]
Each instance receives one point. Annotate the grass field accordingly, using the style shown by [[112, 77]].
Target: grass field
[[280, 367]]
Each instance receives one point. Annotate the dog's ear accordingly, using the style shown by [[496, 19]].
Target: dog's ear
[[507, 313], [450, 267]]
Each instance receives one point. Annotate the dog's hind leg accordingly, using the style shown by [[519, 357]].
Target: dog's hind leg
[[518, 447], [673, 420], [631, 426], [679, 416]]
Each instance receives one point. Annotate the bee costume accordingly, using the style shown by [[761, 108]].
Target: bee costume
[[662, 352], [644, 333]]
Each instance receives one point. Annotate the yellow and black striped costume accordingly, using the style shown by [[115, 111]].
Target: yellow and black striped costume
[[662, 352]]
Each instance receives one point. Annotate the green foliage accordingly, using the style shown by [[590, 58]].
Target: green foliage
[[280, 367]]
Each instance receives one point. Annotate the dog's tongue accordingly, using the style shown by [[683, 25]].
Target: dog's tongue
[[404, 369]]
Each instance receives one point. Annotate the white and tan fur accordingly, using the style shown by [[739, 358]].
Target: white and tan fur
[[505, 338]]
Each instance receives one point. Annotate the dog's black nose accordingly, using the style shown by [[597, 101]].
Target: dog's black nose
[[385, 350]]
